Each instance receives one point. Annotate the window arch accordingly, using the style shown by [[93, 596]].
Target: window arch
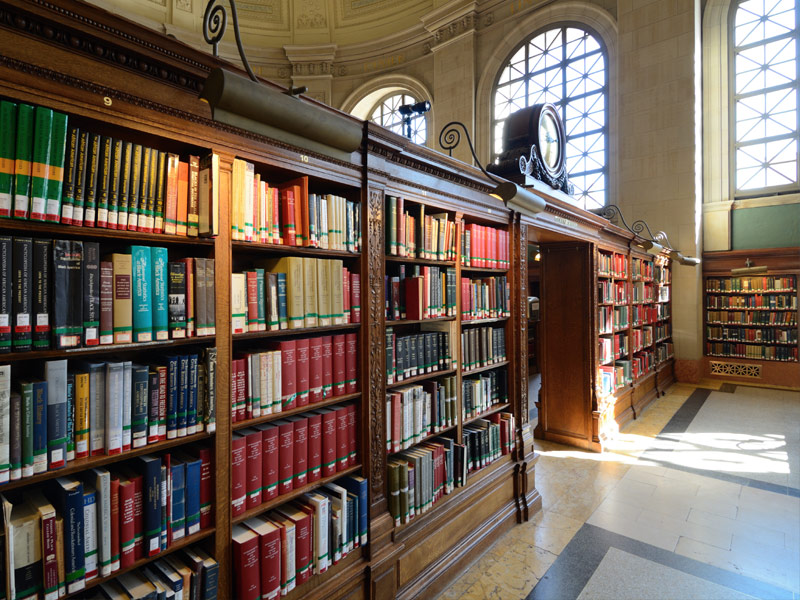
[[387, 114], [567, 66], [764, 96]]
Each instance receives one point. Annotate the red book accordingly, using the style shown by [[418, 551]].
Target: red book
[[302, 541], [395, 304], [269, 462], [314, 447], [351, 435], [414, 304], [342, 442], [351, 363], [162, 402], [236, 366], [302, 370], [254, 466], [269, 544], [252, 300], [300, 451], [127, 532], [245, 543], [288, 225], [346, 295], [288, 374], [241, 389], [329, 446], [138, 515], [238, 474], [315, 370], [339, 365], [116, 505], [276, 216], [426, 309], [355, 298], [285, 456], [171, 208], [206, 487], [327, 366]]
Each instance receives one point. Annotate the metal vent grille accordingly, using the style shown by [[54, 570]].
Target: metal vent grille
[[736, 369]]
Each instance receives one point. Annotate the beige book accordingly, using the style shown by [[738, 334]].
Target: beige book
[[323, 293], [238, 303], [292, 266], [123, 305], [336, 287], [310, 291]]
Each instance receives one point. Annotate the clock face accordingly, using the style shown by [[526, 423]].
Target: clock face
[[549, 142]]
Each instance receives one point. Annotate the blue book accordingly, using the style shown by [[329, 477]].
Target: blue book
[[140, 404], [56, 376], [191, 406], [67, 497], [150, 467], [173, 387], [283, 316], [178, 517], [39, 427], [183, 393], [358, 486], [192, 492], [170, 577], [141, 294], [158, 261]]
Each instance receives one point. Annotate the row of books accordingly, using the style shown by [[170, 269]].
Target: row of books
[[293, 373], [613, 319], [756, 317], [272, 459], [642, 338], [484, 247], [740, 350], [641, 270], [612, 292], [413, 233], [611, 378], [294, 292], [416, 354], [613, 347], [289, 215], [740, 334], [642, 362], [420, 292], [782, 301], [277, 552], [480, 393], [662, 274], [62, 294], [664, 352], [78, 529], [62, 174], [642, 292], [612, 265], [662, 332], [482, 346], [487, 298], [101, 408], [663, 311], [647, 315], [787, 283], [414, 412]]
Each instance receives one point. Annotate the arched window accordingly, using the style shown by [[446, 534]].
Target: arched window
[[387, 114], [566, 66], [764, 88]]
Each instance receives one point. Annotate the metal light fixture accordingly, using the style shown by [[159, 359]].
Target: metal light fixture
[[515, 197], [409, 110], [749, 269]]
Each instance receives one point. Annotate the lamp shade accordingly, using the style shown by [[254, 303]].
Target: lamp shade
[[519, 199]]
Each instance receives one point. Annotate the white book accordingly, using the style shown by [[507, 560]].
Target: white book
[[337, 291], [114, 399], [23, 541], [90, 531], [249, 174], [288, 552], [127, 403], [323, 224], [102, 484], [5, 422], [321, 522], [97, 408], [254, 381], [277, 405], [238, 303], [338, 497]]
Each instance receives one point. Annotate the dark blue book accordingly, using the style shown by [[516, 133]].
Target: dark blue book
[[141, 404], [183, 393], [192, 492], [191, 407], [67, 497], [358, 486], [39, 427], [283, 316], [150, 468], [178, 516], [173, 388]]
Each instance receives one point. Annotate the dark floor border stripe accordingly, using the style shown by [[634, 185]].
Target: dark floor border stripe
[[571, 571]]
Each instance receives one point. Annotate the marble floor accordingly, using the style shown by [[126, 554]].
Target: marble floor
[[697, 498]]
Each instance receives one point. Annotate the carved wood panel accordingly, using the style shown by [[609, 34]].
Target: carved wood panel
[[522, 274]]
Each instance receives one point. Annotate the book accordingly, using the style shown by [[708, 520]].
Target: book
[[114, 407], [123, 300], [90, 180], [23, 162], [106, 302], [56, 377], [269, 553], [160, 293], [90, 542], [245, 544], [5, 423], [177, 300], [8, 127], [104, 180], [142, 293], [208, 196], [22, 335], [23, 547], [193, 209], [6, 292], [67, 497]]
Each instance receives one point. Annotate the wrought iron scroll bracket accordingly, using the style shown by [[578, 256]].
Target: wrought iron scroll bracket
[[450, 138], [215, 22]]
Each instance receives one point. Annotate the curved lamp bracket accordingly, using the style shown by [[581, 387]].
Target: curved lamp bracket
[[215, 22]]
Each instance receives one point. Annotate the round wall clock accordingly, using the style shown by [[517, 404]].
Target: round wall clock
[[550, 141]]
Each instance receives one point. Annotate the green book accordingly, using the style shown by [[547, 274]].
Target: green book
[[161, 184], [90, 191], [43, 129], [55, 172], [8, 129], [103, 180], [22, 162], [70, 175], [80, 179]]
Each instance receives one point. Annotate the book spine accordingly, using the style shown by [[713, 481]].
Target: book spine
[[134, 192], [14, 429], [106, 302], [40, 163], [23, 294], [72, 511], [114, 183], [152, 409], [104, 180], [8, 130], [172, 390], [81, 415], [6, 292], [211, 389], [23, 161], [161, 185], [171, 208], [193, 211], [191, 395], [114, 401], [152, 182], [160, 293], [39, 427], [5, 424], [90, 181], [123, 315], [56, 376], [91, 293], [41, 294], [140, 410], [90, 534], [177, 299], [126, 172], [55, 171], [142, 301], [70, 176]]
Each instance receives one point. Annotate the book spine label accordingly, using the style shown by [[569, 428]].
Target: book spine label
[[81, 412], [91, 294]]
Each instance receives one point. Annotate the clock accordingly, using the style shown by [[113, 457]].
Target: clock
[[549, 139]]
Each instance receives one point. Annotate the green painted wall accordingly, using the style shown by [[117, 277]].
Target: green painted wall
[[766, 227]]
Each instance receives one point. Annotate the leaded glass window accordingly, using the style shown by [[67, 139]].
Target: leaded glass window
[[565, 66], [765, 96], [387, 114]]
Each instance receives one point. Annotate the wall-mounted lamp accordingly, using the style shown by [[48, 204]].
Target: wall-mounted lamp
[[654, 244], [749, 269], [515, 197], [408, 111]]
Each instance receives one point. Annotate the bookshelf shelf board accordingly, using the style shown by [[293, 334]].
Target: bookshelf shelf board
[[604, 274], [293, 250], [743, 308], [182, 543], [496, 365], [493, 409], [295, 493], [790, 360], [59, 231], [644, 375], [353, 559], [109, 348], [293, 411], [416, 321], [442, 431], [623, 303], [83, 464], [752, 343], [420, 378], [608, 303], [419, 261], [663, 339], [748, 292], [483, 321], [621, 328], [482, 270], [257, 335], [753, 325]]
